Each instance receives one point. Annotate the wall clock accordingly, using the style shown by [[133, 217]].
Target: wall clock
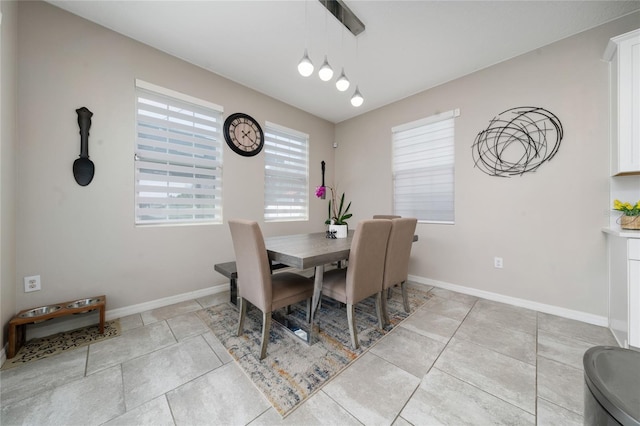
[[243, 134]]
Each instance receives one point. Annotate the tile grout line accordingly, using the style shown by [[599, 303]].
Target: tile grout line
[[538, 355], [166, 399], [437, 357], [367, 350], [485, 392], [484, 347]]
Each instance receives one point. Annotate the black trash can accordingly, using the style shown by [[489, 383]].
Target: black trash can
[[612, 386]]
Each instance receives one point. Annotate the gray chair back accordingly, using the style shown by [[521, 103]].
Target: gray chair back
[[366, 259], [252, 263], [396, 269], [386, 216]]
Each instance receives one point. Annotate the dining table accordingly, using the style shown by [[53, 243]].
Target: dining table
[[305, 251]]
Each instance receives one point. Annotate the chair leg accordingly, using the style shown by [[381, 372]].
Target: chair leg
[[389, 293], [309, 310], [352, 326], [266, 326], [379, 308], [385, 310], [242, 308], [405, 296]]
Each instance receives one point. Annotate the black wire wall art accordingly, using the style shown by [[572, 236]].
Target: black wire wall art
[[517, 141]]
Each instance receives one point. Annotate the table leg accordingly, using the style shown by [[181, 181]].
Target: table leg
[[13, 341], [102, 309], [317, 291], [233, 289]]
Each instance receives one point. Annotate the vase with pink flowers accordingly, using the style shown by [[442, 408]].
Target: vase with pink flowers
[[337, 213]]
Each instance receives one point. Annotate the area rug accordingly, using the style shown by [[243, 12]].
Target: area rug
[[293, 370], [44, 347]]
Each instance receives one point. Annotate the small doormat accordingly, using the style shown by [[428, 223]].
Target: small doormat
[[44, 347], [292, 370]]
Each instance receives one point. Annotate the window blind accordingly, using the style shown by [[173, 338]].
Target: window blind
[[178, 158], [286, 168], [423, 168]]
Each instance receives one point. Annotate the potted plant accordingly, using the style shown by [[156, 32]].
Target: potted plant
[[337, 217], [630, 218]]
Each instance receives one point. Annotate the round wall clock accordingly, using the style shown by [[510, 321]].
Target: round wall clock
[[243, 134]]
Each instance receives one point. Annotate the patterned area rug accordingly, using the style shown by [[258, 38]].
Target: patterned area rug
[[292, 370], [44, 347]]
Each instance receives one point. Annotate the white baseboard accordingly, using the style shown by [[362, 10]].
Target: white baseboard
[[523, 303], [89, 319], [160, 303], [73, 322]]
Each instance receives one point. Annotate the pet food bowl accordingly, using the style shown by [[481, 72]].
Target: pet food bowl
[[38, 312], [81, 303]]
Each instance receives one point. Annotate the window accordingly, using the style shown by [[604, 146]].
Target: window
[[423, 168], [178, 158], [286, 174]]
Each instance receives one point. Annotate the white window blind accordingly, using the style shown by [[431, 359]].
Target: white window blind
[[286, 174], [423, 168], [178, 158]]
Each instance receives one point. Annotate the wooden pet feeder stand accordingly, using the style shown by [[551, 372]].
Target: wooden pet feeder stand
[[17, 325]]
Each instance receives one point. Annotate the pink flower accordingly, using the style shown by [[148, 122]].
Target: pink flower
[[320, 191]]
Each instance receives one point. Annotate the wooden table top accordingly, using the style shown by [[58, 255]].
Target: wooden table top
[[302, 251]]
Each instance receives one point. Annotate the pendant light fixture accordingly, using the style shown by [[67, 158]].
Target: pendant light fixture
[[357, 99], [326, 72], [305, 66], [351, 22], [342, 83]]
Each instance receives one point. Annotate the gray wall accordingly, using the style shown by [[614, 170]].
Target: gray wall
[[82, 240], [546, 225], [8, 143]]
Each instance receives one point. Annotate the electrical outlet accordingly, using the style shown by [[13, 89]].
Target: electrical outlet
[[32, 283], [497, 262]]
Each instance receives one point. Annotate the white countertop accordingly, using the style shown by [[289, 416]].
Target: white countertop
[[619, 232]]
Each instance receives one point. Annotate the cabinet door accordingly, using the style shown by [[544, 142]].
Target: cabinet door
[[618, 290], [634, 303], [634, 292], [628, 125]]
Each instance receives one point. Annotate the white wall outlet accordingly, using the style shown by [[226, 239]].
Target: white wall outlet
[[497, 262], [32, 283]]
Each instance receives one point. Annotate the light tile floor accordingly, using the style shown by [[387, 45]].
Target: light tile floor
[[457, 360]]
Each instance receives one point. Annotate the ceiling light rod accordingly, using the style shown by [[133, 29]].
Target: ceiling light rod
[[344, 15]]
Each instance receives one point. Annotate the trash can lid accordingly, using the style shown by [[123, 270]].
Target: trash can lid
[[613, 377]]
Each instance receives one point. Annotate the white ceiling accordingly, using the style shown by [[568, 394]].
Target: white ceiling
[[407, 46]]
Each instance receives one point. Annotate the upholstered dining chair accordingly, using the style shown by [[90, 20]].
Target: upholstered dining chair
[[363, 277], [386, 216], [396, 264], [257, 285]]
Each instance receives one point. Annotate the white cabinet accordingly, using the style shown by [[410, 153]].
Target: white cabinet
[[624, 290], [623, 52], [634, 293]]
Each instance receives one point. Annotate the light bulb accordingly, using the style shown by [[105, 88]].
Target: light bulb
[[342, 83], [326, 72], [357, 99], [305, 66]]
